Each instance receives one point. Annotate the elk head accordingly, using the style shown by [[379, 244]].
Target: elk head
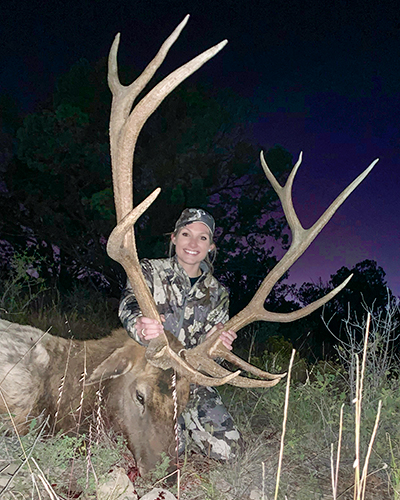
[[126, 121]]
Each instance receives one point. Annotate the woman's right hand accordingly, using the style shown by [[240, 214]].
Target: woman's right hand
[[148, 328]]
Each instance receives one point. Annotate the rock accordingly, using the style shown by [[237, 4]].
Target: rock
[[117, 486], [158, 494], [7, 471], [256, 494], [223, 486]]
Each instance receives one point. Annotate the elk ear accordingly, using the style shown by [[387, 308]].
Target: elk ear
[[114, 366]]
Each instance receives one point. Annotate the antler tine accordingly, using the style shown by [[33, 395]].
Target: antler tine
[[123, 99], [132, 91], [208, 365], [166, 357], [128, 258]]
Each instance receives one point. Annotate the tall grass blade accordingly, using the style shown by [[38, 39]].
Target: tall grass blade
[[278, 475]]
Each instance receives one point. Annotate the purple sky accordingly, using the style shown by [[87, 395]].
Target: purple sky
[[323, 75]]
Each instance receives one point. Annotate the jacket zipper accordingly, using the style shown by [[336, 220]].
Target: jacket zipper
[[182, 316]]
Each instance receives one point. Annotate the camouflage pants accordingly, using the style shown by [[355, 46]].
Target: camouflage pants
[[208, 424]]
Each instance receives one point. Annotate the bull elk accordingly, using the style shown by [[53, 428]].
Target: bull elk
[[137, 380]]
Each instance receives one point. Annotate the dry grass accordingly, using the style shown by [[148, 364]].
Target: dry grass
[[305, 472], [324, 431]]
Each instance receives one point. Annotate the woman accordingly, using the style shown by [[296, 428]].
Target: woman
[[191, 303]]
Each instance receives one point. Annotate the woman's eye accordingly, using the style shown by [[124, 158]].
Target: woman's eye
[[140, 398]]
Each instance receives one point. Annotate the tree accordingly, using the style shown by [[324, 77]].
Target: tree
[[366, 290]]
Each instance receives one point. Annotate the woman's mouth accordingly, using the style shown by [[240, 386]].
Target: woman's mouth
[[191, 252]]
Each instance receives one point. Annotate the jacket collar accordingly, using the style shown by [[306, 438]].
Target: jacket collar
[[205, 268]]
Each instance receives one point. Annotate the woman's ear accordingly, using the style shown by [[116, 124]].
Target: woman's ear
[[212, 247], [173, 238]]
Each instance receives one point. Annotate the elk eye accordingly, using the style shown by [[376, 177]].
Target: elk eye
[[140, 398]]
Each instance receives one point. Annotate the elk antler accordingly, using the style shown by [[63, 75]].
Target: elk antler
[[202, 355], [125, 126]]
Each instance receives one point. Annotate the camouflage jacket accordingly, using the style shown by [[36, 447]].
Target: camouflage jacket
[[190, 311]]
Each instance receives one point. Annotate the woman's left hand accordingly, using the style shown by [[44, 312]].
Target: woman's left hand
[[226, 336]]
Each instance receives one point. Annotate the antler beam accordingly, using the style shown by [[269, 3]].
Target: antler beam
[[125, 126]]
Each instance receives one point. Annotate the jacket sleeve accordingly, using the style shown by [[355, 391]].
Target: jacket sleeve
[[129, 309]]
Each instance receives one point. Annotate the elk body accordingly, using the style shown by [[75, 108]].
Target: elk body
[[137, 380]]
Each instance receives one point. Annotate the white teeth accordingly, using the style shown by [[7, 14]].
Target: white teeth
[[190, 252]]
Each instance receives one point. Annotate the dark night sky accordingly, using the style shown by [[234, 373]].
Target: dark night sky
[[323, 74]]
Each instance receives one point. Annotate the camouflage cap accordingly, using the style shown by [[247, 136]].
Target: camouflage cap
[[190, 215]]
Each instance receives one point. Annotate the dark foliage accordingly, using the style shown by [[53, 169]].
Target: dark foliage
[[366, 291]]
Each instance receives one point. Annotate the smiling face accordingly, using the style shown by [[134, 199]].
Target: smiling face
[[192, 244]]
